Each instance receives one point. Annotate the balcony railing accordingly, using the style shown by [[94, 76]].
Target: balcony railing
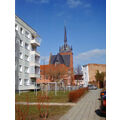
[[35, 52], [32, 75], [35, 42]]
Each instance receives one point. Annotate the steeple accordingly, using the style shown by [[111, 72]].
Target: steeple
[[65, 47], [65, 36]]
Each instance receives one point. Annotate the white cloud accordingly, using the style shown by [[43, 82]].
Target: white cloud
[[92, 56], [44, 60], [38, 1], [74, 3]]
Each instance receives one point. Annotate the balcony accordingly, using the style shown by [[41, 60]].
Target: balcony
[[35, 53], [34, 75], [35, 64], [35, 42]]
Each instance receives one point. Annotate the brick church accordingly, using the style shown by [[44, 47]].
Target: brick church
[[62, 62]]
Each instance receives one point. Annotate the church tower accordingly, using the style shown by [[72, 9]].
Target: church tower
[[66, 50], [65, 47]]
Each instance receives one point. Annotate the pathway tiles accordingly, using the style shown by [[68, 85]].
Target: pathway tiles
[[85, 108]]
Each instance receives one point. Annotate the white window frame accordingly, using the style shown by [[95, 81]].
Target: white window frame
[[21, 30], [26, 82], [20, 67], [21, 43], [26, 57], [27, 34], [21, 55], [26, 69], [27, 46], [20, 81], [16, 27]]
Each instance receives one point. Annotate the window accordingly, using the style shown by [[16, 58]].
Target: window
[[16, 27], [26, 82], [20, 68], [21, 42], [26, 46], [27, 34], [26, 70], [21, 30], [21, 55], [20, 81], [27, 57]]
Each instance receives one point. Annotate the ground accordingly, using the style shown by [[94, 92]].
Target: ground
[[87, 108]]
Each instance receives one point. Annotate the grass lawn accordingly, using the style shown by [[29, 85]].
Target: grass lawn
[[55, 112], [62, 97]]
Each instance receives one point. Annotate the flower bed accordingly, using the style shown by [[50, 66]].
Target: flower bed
[[76, 94]]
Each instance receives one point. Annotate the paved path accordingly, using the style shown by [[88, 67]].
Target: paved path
[[56, 104], [85, 108]]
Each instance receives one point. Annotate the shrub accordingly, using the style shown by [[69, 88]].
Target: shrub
[[76, 94]]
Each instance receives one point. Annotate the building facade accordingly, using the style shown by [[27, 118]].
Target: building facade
[[27, 59], [64, 59], [89, 72], [85, 75]]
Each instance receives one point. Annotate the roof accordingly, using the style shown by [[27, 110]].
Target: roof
[[61, 59], [28, 27]]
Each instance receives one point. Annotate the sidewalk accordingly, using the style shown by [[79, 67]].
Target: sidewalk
[[54, 104], [86, 108]]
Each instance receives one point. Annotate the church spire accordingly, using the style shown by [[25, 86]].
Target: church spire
[[65, 36]]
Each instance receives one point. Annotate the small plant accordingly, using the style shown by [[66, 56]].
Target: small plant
[[22, 112], [43, 109]]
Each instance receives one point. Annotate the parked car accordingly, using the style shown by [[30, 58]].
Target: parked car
[[103, 102], [92, 87], [102, 94], [103, 105]]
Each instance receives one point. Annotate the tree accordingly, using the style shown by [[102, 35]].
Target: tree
[[100, 78], [56, 72]]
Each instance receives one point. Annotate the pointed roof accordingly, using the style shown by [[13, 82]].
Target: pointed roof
[[65, 36], [65, 47]]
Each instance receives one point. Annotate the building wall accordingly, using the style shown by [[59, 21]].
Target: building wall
[[71, 58], [25, 33], [93, 68], [85, 75]]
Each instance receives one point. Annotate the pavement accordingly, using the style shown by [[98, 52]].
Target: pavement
[[56, 104], [87, 108]]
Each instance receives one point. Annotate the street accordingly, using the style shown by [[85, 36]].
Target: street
[[87, 108]]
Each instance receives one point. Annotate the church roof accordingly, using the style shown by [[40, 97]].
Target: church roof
[[61, 59]]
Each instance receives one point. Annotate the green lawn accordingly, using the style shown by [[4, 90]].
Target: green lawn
[[55, 112], [62, 97]]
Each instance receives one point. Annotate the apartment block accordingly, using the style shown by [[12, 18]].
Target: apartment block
[[27, 58], [89, 72]]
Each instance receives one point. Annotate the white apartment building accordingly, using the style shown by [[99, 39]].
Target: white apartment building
[[85, 75], [27, 59]]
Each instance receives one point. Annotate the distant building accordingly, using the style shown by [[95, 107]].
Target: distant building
[[78, 79], [65, 55], [27, 59], [64, 59], [89, 72]]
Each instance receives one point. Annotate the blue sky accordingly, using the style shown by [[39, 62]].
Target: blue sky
[[85, 22]]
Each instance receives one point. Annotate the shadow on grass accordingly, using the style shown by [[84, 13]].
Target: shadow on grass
[[99, 113]]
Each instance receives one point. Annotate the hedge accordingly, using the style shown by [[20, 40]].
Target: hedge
[[76, 94]]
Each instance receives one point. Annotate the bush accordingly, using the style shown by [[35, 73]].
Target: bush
[[76, 94]]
